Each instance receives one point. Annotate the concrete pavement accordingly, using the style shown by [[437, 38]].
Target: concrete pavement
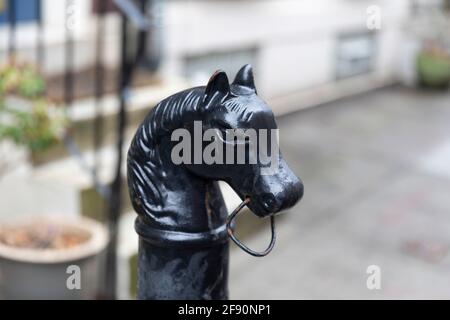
[[376, 169]]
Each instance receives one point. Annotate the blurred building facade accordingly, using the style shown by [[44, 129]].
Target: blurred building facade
[[313, 47], [322, 49]]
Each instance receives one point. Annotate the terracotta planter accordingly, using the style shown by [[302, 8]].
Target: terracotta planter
[[28, 273]]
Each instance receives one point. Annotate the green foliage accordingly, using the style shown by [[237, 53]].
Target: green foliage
[[22, 80], [37, 129], [26, 117]]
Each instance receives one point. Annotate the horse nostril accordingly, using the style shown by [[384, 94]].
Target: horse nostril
[[269, 202]]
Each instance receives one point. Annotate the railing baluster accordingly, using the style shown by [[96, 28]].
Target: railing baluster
[[99, 84], [12, 27], [69, 55], [40, 38], [143, 33], [130, 14], [115, 202]]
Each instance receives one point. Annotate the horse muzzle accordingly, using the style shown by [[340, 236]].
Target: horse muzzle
[[274, 193]]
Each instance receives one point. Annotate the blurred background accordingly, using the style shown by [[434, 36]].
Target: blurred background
[[360, 91]]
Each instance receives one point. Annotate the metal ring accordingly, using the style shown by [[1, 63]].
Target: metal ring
[[233, 216]]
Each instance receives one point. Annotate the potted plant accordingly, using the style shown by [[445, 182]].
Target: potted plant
[[431, 24], [51, 257], [433, 67], [42, 257]]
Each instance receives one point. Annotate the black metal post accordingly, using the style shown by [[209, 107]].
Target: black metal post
[[182, 265]]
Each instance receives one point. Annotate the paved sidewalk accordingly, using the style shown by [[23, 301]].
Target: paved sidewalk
[[376, 169]]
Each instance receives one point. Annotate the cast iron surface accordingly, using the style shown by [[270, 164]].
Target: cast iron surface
[[180, 207], [186, 273]]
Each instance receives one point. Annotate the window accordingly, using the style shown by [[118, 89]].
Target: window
[[199, 68], [355, 54], [25, 10]]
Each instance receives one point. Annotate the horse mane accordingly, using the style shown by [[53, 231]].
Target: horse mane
[[146, 174], [145, 170]]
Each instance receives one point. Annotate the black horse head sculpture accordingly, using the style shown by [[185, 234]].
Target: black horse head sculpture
[[186, 197], [182, 219]]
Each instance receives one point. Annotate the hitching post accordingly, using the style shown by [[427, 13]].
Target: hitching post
[[182, 221]]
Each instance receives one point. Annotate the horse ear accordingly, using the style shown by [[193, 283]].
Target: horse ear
[[245, 77], [218, 85]]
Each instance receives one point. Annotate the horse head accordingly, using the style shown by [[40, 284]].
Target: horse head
[[238, 112]]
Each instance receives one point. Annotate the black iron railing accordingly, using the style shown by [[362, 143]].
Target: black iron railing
[[133, 16]]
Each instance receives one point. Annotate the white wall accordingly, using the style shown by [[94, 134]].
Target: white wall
[[296, 39], [83, 26]]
